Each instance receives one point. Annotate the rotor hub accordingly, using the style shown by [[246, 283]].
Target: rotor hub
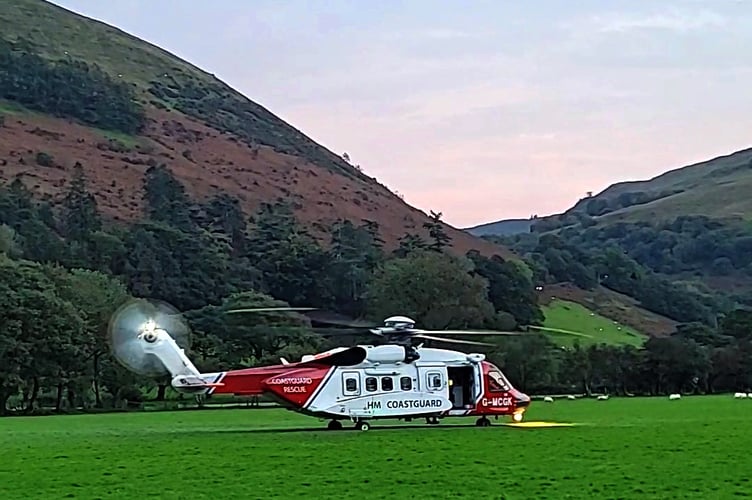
[[139, 322]]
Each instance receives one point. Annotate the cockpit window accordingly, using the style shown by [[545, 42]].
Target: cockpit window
[[497, 382]]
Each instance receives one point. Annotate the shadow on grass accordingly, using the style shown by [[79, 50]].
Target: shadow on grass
[[374, 427]]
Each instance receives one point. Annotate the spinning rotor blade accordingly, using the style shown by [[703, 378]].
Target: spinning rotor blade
[[558, 330], [131, 320], [470, 332], [269, 309], [454, 341], [338, 332], [330, 318]]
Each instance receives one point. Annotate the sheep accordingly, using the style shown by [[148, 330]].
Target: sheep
[[740, 395], [674, 396], [603, 397], [548, 399], [571, 397]]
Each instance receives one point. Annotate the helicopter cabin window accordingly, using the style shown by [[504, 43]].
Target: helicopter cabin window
[[371, 385], [350, 386], [497, 382], [387, 384], [406, 383], [434, 381]]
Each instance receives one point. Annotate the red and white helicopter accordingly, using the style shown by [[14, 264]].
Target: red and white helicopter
[[360, 383]]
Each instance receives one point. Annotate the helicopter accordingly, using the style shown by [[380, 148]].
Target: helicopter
[[361, 383]]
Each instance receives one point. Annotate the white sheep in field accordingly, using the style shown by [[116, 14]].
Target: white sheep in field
[[674, 396], [740, 395], [548, 399], [603, 397], [571, 397]]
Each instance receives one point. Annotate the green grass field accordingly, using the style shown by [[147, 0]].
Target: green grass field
[[697, 447], [572, 317]]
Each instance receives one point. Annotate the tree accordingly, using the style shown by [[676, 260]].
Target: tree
[[165, 198], [38, 333], [80, 214], [510, 289], [410, 243], [737, 324], [436, 232], [225, 341], [354, 253], [434, 289], [187, 270], [292, 263], [9, 243], [96, 297]]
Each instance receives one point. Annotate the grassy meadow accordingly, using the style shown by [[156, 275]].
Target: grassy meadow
[[697, 447], [592, 328]]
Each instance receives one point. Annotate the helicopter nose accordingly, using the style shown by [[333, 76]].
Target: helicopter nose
[[521, 400]]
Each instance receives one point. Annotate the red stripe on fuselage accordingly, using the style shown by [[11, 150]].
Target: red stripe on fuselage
[[292, 383]]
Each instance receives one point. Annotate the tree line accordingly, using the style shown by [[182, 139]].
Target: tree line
[[569, 257], [697, 359], [66, 270], [67, 88]]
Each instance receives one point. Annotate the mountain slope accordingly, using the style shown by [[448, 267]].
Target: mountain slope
[[502, 227], [680, 243], [211, 136], [716, 188]]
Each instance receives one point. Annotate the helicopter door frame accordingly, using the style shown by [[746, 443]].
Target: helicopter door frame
[[427, 381]]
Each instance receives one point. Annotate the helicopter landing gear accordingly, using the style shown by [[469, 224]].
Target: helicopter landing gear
[[334, 425], [482, 422], [432, 420], [362, 425]]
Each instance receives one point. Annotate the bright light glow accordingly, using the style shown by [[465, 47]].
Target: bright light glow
[[517, 417], [148, 327]]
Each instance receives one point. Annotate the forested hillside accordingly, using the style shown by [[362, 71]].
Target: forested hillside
[[76, 90], [688, 228], [679, 246], [65, 273]]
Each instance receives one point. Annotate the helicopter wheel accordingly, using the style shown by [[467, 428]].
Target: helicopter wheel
[[334, 425], [432, 420], [362, 426], [482, 422]]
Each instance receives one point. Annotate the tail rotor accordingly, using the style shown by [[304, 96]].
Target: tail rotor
[[136, 325]]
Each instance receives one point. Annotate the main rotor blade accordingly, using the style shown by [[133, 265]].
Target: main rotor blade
[[269, 309], [330, 318], [336, 332], [470, 332], [559, 330], [454, 341]]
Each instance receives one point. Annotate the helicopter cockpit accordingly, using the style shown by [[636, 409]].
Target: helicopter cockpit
[[497, 382]]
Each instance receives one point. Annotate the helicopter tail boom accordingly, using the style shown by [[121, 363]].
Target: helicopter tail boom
[[185, 376]]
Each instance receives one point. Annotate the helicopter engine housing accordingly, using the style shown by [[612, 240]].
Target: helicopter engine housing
[[386, 354]]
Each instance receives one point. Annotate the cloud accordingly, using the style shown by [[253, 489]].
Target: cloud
[[672, 20]]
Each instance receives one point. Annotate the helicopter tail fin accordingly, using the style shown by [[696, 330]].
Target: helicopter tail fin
[[161, 347]]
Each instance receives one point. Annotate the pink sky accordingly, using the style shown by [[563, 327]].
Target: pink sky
[[482, 110]]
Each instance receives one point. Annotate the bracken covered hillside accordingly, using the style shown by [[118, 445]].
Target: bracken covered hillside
[[212, 137]]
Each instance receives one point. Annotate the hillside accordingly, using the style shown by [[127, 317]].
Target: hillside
[[678, 245], [716, 188], [212, 137], [502, 227]]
